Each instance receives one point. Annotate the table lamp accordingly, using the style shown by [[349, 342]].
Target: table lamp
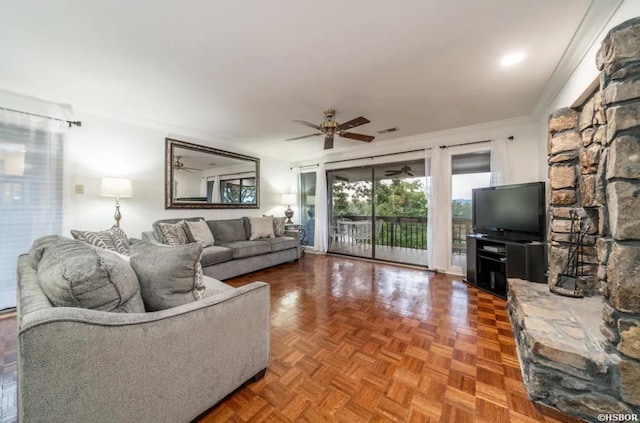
[[288, 199], [116, 187]]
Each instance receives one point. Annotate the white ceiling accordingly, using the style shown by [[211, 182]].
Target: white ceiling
[[244, 69]]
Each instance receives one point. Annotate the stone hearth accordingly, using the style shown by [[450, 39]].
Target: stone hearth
[[565, 359], [583, 355]]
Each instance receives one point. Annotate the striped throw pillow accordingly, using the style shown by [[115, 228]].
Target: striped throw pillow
[[114, 239]]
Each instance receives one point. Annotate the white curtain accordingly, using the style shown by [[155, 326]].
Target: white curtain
[[31, 189], [215, 191], [321, 238], [294, 188], [438, 228], [500, 172]]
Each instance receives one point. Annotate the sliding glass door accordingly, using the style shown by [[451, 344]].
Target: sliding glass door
[[401, 212], [379, 212], [351, 211]]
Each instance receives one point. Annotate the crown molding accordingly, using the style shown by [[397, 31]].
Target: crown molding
[[593, 23]]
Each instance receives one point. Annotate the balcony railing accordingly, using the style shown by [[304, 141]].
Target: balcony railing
[[411, 232]]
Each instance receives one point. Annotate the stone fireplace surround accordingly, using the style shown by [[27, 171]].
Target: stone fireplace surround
[[583, 355]]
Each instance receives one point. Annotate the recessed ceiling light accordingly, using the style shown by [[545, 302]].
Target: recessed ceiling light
[[512, 59]]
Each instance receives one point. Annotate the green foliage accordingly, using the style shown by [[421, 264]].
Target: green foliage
[[461, 209], [401, 197], [394, 197]]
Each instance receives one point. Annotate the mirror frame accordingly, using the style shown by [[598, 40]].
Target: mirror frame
[[170, 145]]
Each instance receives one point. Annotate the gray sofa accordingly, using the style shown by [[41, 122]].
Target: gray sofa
[[86, 365], [234, 253]]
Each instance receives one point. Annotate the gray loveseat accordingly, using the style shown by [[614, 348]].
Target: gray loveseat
[[87, 365], [234, 253]]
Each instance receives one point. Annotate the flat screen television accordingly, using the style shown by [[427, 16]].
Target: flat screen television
[[510, 212]]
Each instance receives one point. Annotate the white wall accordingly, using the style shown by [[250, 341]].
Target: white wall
[[581, 78], [109, 147]]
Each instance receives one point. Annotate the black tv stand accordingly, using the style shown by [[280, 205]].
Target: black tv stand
[[490, 261]]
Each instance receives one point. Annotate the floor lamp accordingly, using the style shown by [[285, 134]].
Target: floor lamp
[[116, 187]]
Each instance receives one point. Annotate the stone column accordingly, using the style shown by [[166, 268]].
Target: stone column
[[619, 248], [574, 165]]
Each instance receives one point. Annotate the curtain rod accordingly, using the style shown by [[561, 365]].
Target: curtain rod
[[379, 155], [69, 122], [510, 138], [240, 175]]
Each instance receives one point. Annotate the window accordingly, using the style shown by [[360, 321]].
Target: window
[[30, 194], [468, 171], [240, 191], [308, 209]]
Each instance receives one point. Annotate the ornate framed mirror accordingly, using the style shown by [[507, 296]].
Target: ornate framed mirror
[[201, 177]]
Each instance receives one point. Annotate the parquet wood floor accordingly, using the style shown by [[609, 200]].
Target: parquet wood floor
[[356, 341]]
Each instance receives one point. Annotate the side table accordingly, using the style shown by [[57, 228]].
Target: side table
[[301, 231]]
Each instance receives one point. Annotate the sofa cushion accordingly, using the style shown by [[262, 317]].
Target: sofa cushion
[[281, 243], [114, 239], [173, 233], [169, 276], [156, 228], [72, 273], [215, 254], [261, 227], [243, 249], [228, 230], [199, 232]]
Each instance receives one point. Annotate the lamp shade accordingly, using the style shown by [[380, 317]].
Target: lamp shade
[[116, 187], [288, 199], [311, 200]]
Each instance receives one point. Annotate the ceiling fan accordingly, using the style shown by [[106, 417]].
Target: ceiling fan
[[178, 165], [406, 169], [330, 128]]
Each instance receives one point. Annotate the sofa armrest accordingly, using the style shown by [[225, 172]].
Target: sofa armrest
[[164, 366], [293, 234]]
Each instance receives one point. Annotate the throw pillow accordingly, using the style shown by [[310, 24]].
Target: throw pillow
[[200, 232], [169, 277], [261, 227], [114, 239], [74, 274], [174, 233], [278, 225]]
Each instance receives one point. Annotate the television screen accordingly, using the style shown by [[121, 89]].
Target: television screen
[[510, 211]]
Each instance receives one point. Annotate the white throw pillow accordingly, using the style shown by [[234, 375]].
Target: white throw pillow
[[261, 227], [200, 232]]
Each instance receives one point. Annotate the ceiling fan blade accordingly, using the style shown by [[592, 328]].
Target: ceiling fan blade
[[359, 137], [304, 136], [410, 174], [328, 143], [352, 123], [392, 172], [309, 124]]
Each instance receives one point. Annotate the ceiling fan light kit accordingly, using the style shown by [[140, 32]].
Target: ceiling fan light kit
[[330, 128], [406, 169]]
